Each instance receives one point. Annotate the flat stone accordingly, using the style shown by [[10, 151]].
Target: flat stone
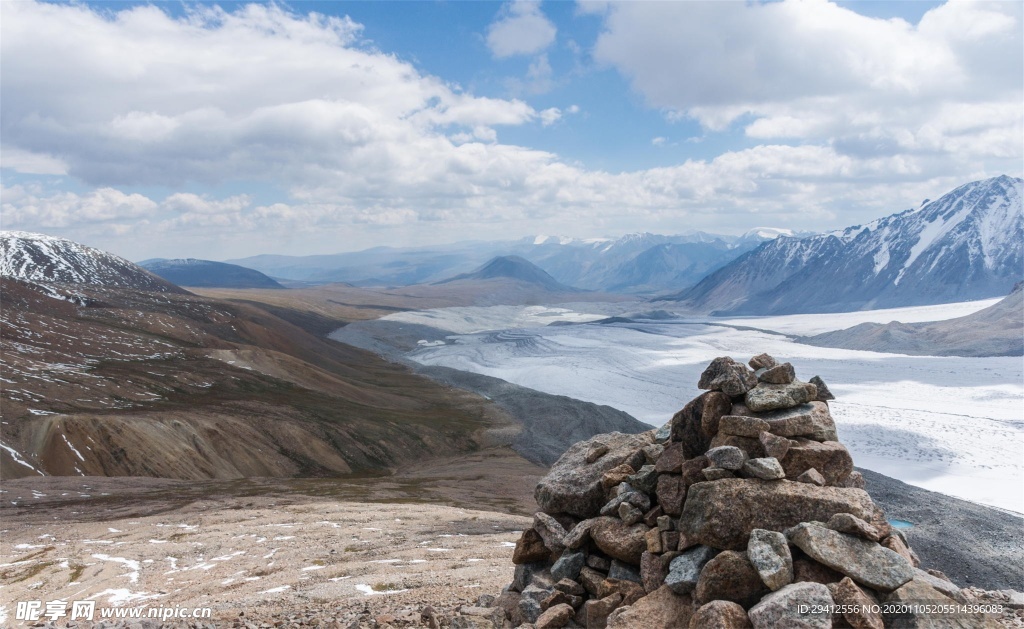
[[762, 361], [671, 459], [859, 608], [900, 547], [830, 458], [865, 562], [774, 445], [742, 426], [824, 394], [530, 548], [812, 476], [779, 374], [571, 587], [941, 584], [550, 531], [767, 468], [812, 420], [661, 609], [769, 397], [719, 615], [568, 565], [722, 514], [728, 376], [670, 493], [729, 576], [768, 552], [852, 525], [684, 570], [555, 617], [726, 457], [791, 608], [717, 473], [573, 486], [578, 535], [618, 540]]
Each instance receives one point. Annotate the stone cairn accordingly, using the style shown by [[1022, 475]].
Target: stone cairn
[[743, 511]]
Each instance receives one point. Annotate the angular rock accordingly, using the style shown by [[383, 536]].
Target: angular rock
[[591, 580], [722, 514], [770, 397], [742, 426], [855, 479], [508, 601], [774, 445], [529, 609], [751, 446], [670, 540], [596, 451], [859, 608], [661, 609], [852, 525], [651, 517], [644, 480], [779, 374], [616, 475], [768, 552], [595, 612], [568, 565], [631, 591], [671, 460], [812, 420], [940, 583], [830, 458], [716, 405], [767, 468], [719, 615], [550, 531], [726, 457], [653, 571], [664, 523], [654, 543], [626, 495], [684, 570], [630, 514], [530, 548], [811, 476], [824, 394], [663, 434], [555, 617], [569, 586], [653, 452], [762, 361], [729, 576], [692, 470], [618, 540], [598, 562], [573, 486], [461, 622], [686, 427], [916, 592], [791, 607], [670, 492], [728, 376], [717, 473], [865, 562], [526, 573], [624, 571], [898, 545], [578, 535]]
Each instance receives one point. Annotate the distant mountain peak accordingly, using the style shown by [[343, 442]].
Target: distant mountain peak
[[210, 274], [516, 268], [43, 259]]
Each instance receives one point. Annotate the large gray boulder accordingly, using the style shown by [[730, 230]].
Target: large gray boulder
[[863, 561], [684, 571], [768, 552], [573, 486], [723, 513], [769, 397], [795, 606], [812, 420]]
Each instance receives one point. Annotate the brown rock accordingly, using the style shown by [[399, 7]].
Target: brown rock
[[530, 548], [855, 480], [750, 445], [671, 492], [661, 609], [779, 374], [550, 531], [812, 420], [653, 571], [824, 394], [852, 525], [770, 397], [895, 544], [669, 540], [591, 580], [811, 476], [652, 516], [555, 617], [720, 615], [774, 445], [742, 426], [686, 427], [595, 612], [507, 601], [830, 458], [556, 598], [692, 470], [916, 592], [813, 572], [728, 376], [762, 361], [616, 475], [570, 587], [630, 590], [722, 514], [573, 486], [596, 451], [717, 473], [671, 460], [865, 562], [619, 541], [716, 405], [653, 539], [730, 577], [859, 607], [653, 452]]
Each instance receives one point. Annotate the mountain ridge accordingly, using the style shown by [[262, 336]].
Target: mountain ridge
[[208, 273]]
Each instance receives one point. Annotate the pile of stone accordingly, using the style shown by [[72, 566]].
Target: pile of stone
[[743, 511]]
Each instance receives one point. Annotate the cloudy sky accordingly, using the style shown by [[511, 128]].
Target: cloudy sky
[[231, 129]]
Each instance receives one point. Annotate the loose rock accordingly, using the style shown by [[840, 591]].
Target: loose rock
[[865, 562], [768, 552]]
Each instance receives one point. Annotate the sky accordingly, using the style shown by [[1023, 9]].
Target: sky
[[223, 130]]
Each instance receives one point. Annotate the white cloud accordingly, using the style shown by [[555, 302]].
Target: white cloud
[[29, 163], [658, 141], [522, 29]]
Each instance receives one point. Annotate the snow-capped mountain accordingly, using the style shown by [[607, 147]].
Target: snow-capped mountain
[[969, 244], [42, 259], [515, 268]]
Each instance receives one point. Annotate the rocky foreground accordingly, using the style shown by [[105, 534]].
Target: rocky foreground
[[743, 511]]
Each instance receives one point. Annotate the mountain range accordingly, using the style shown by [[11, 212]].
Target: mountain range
[[968, 244], [192, 272]]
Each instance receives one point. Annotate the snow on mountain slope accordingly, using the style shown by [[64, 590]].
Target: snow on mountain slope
[[969, 244], [42, 259]]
